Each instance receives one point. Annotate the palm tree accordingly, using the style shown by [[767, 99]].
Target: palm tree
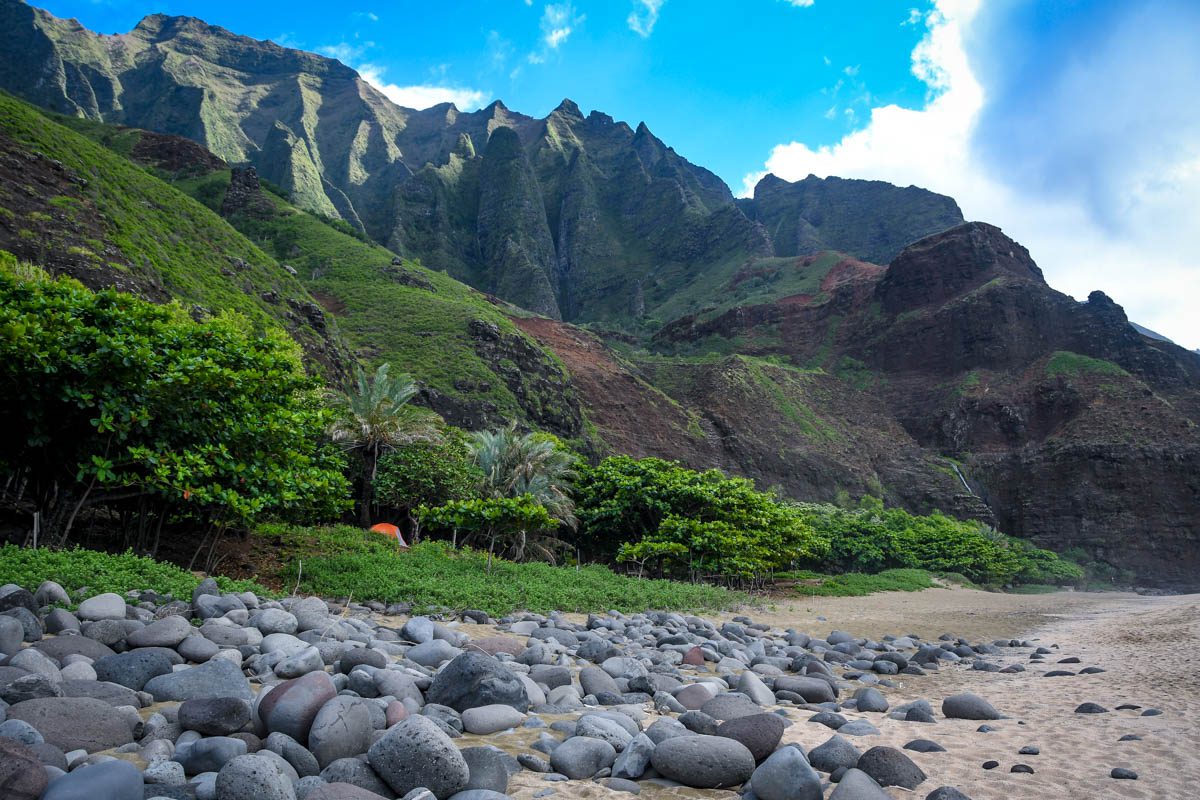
[[373, 416], [527, 464]]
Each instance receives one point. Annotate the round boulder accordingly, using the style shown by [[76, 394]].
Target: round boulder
[[253, 777], [786, 775], [214, 716], [890, 767], [581, 757], [416, 752], [968, 706], [704, 762], [472, 680], [760, 733]]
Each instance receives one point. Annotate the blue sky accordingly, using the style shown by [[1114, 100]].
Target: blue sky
[[1072, 124]]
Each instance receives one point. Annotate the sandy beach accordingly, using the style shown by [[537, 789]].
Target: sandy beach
[[1145, 644]]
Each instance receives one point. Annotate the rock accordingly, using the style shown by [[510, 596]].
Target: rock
[[582, 757], [30, 686], [859, 727], [111, 693], [870, 699], [111, 780], [291, 751], [361, 655], [19, 730], [356, 772], [926, 746], [209, 754], [730, 706], [214, 716], [491, 645], [75, 723], [890, 767], [12, 634], [704, 762], [197, 648], [253, 777], [50, 593], [596, 681], [13, 596], [1028, 750], [22, 776], [813, 690], [59, 647], [632, 762], [760, 733], [1123, 774], [486, 768], [472, 680], [992, 764], [432, 653], [165, 773], [216, 678], [1021, 769], [946, 793], [483, 720], [166, 632], [292, 706], [102, 606], [340, 791], [307, 660], [273, 620], [830, 719], [341, 729], [416, 753], [786, 775], [1091, 708], [31, 628], [836, 753], [133, 669], [622, 785], [858, 785], [968, 706]]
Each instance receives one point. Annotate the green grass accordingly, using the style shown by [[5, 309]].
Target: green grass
[[1072, 365], [348, 562], [857, 584], [167, 238], [98, 572]]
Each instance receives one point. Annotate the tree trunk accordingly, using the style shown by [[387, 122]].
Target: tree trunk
[[367, 492]]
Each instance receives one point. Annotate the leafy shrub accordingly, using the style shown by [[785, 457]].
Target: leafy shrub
[[519, 525], [857, 584], [427, 473], [103, 572]]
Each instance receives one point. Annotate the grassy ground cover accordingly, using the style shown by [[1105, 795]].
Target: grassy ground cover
[[857, 584]]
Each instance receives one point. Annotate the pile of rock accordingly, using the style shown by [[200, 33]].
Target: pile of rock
[[233, 697]]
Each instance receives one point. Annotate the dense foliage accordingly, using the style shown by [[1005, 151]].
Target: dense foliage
[[700, 525], [518, 525], [347, 562], [427, 473], [871, 538], [98, 572], [108, 399]]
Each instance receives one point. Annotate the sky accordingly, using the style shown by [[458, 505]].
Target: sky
[[1074, 125]]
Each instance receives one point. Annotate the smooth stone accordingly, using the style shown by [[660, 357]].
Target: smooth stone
[[416, 752], [927, 746], [166, 632], [12, 635], [1021, 769], [946, 793], [760, 733], [1091, 708], [813, 690], [307, 660], [19, 730], [858, 727], [112, 693], [168, 773], [253, 777], [486, 769], [341, 791], [582, 757], [356, 772], [216, 678], [133, 669], [786, 775], [273, 620], [855, 784], [836, 753], [891, 767], [730, 706], [472, 680], [341, 729], [103, 606], [1123, 774], [22, 776], [304, 762], [75, 723], [606, 729], [870, 699], [704, 762], [59, 647], [198, 649], [418, 630], [483, 720], [208, 754], [111, 780], [968, 706], [214, 716], [432, 653]]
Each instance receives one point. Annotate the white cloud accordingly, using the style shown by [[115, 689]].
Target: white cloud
[[422, 95], [558, 23], [799, 3], [1148, 263], [644, 16], [345, 52]]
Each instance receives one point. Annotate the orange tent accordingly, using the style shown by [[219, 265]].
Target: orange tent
[[390, 530]]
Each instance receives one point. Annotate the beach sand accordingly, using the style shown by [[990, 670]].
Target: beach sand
[[1147, 645]]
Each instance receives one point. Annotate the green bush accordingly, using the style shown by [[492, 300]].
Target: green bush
[[99, 572], [348, 562], [856, 584]]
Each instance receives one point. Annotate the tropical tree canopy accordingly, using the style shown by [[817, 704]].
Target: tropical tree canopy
[[533, 464]]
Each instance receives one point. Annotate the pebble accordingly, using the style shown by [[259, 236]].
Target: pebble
[[702, 762], [1124, 774]]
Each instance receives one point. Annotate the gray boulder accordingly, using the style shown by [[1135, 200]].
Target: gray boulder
[[216, 678], [858, 785], [253, 777], [111, 780], [292, 706], [214, 716], [704, 762], [837, 753], [166, 632], [341, 729], [75, 723], [786, 775], [133, 669], [472, 680], [968, 706], [102, 606], [891, 767], [483, 720], [416, 753], [582, 757]]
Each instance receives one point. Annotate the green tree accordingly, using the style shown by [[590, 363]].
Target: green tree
[[373, 416], [533, 464], [427, 473], [108, 400], [518, 525]]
